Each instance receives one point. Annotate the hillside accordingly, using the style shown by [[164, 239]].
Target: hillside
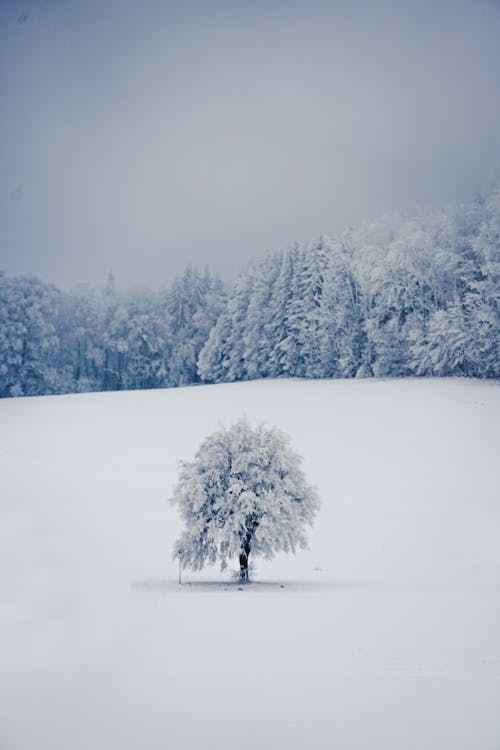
[[384, 635]]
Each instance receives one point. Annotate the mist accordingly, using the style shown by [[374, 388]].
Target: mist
[[139, 137]]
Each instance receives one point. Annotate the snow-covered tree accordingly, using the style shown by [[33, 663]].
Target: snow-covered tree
[[306, 322], [222, 356], [244, 493], [28, 340], [342, 341], [193, 304], [259, 318], [287, 302]]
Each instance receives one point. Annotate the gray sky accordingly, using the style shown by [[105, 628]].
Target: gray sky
[[140, 136]]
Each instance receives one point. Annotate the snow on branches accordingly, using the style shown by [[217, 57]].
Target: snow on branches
[[244, 493]]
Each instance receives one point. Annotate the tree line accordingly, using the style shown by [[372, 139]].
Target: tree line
[[396, 296], [101, 339]]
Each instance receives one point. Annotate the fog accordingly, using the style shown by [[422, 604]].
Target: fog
[[140, 136]]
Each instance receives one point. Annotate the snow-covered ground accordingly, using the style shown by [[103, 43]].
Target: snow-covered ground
[[384, 635]]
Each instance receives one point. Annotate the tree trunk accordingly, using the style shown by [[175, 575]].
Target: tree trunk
[[244, 554]]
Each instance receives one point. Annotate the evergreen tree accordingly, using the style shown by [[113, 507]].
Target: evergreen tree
[[342, 343], [305, 320], [222, 356], [193, 304], [286, 331], [259, 319]]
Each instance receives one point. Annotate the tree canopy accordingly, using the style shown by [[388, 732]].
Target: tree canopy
[[244, 493]]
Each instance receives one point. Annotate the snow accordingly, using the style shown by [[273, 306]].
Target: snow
[[385, 634]]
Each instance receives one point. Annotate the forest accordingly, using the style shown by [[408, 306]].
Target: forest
[[397, 296]]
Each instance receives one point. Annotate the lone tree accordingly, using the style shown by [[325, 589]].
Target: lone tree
[[244, 493]]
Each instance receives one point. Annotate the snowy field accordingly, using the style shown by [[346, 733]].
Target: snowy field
[[384, 635]]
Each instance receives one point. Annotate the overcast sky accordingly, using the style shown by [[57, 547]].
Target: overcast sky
[[140, 136]]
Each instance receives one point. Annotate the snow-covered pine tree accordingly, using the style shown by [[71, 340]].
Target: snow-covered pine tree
[[312, 322], [237, 309], [288, 302], [193, 304], [222, 356], [244, 493], [258, 320], [279, 303], [342, 342], [211, 360]]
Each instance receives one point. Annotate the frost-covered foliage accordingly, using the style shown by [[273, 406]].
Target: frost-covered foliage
[[28, 340], [399, 296], [101, 339], [395, 297], [245, 492]]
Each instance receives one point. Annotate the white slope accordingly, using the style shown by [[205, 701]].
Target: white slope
[[385, 636]]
